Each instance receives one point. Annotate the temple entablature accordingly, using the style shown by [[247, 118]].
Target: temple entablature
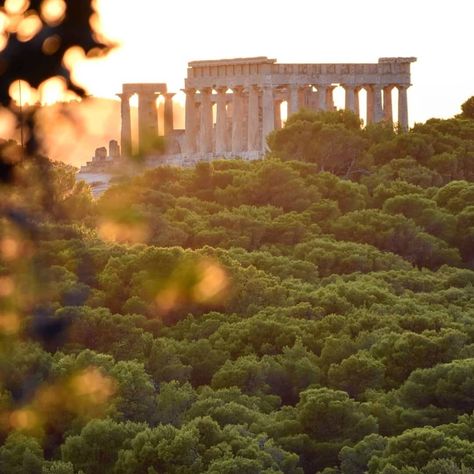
[[232, 72]]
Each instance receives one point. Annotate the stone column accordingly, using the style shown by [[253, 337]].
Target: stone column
[[329, 98], [126, 125], [350, 98], [378, 109], [147, 120], [221, 120], [190, 121], [322, 94], [370, 104], [268, 120], [387, 104], [402, 108], [253, 120], [304, 97], [245, 120], [356, 101], [229, 115], [237, 119], [277, 112], [169, 119], [205, 136], [293, 99]]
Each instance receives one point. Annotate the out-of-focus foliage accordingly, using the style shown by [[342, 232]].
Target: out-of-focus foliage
[[37, 36], [36, 404], [258, 317], [34, 52]]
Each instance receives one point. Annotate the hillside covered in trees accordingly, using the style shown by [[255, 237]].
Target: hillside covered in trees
[[308, 313]]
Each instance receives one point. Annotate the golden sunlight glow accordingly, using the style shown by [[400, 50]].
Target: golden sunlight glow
[[53, 11], [123, 232], [49, 92], [16, 7], [93, 385], [29, 27], [53, 90], [13, 22], [84, 393], [4, 27], [201, 282], [213, 281], [7, 122], [10, 248], [95, 23], [72, 137], [4, 22], [21, 91], [9, 324], [110, 20], [155, 45], [7, 287], [168, 299], [24, 419], [72, 56]]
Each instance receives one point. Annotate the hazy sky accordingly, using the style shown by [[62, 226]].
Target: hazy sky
[[159, 38]]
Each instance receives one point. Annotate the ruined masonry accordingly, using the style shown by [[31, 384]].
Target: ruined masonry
[[246, 94]]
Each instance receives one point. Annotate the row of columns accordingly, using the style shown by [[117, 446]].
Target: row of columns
[[258, 107], [379, 103], [253, 106], [147, 119]]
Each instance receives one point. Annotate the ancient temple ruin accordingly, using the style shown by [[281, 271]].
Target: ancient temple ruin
[[233, 104], [147, 113]]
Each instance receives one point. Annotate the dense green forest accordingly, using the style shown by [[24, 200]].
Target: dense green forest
[[311, 312]]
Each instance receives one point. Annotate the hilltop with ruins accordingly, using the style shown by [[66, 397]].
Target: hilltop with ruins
[[233, 104]]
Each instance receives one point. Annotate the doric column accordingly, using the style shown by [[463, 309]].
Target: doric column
[[378, 109], [169, 119], [370, 104], [228, 132], [356, 101], [191, 123], [253, 128], [350, 98], [277, 112], [245, 120], [304, 97], [387, 104], [205, 137], [268, 113], [322, 94], [147, 120], [329, 98], [402, 107], [221, 120], [126, 124], [237, 119], [293, 99]]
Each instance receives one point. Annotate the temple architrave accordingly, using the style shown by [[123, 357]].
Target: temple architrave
[[246, 94]]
